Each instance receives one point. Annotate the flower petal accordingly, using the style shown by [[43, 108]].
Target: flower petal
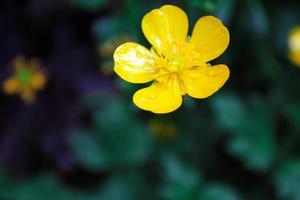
[[294, 39], [203, 81], [210, 37], [134, 63], [11, 85], [165, 25], [294, 58], [160, 97], [38, 81], [27, 95]]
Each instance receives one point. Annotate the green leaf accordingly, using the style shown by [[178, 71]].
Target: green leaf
[[181, 179], [87, 151], [122, 187], [218, 191], [287, 180], [251, 128], [207, 5], [293, 113], [6, 190], [45, 187], [225, 10], [229, 111], [117, 138], [108, 28], [258, 17]]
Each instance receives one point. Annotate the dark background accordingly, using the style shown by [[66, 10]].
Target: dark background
[[82, 138]]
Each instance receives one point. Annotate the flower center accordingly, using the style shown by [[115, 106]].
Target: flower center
[[24, 75], [175, 65], [177, 56]]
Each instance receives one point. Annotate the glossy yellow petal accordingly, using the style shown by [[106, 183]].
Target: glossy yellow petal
[[210, 37], [134, 63], [160, 97], [203, 81], [165, 25]]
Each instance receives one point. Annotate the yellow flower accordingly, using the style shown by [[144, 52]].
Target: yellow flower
[[294, 46], [178, 64], [163, 130], [26, 80]]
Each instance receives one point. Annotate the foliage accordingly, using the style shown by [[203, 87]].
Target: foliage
[[83, 139]]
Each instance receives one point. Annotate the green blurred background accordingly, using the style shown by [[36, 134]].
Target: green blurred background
[[84, 139]]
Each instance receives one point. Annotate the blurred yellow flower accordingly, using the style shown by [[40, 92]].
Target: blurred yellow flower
[[294, 45], [162, 130], [177, 63], [26, 80]]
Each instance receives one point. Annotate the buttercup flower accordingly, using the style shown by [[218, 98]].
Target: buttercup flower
[[26, 80], [177, 64], [294, 45]]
